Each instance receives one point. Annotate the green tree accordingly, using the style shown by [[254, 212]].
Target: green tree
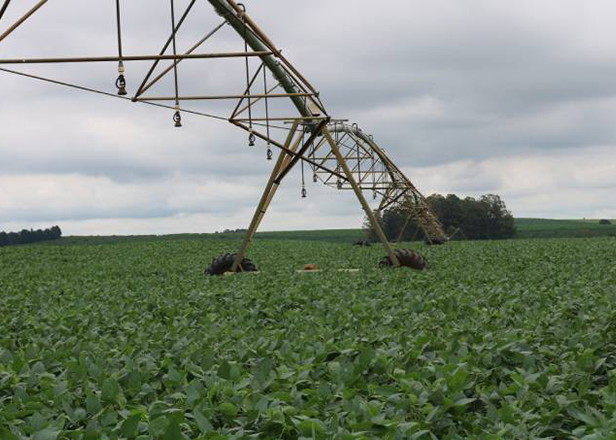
[[486, 218], [26, 236]]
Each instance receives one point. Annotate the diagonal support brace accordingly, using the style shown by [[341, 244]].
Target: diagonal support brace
[[300, 153], [362, 199], [22, 19], [268, 195]]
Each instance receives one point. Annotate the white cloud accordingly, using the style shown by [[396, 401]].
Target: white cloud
[[473, 97], [568, 184]]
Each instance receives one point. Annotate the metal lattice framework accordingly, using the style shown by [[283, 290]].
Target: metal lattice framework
[[277, 105]]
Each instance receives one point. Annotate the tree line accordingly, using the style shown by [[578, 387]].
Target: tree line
[[30, 236], [485, 218]]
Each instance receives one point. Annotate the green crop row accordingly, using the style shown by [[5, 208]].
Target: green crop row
[[512, 339]]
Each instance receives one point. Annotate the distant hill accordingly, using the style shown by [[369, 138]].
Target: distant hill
[[328, 235], [526, 228], [550, 228]]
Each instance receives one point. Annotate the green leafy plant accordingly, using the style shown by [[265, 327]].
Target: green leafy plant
[[512, 339]]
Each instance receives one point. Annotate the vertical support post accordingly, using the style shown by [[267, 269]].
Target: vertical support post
[[362, 199], [422, 225], [379, 209], [406, 223], [385, 199], [415, 234], [266, 197]]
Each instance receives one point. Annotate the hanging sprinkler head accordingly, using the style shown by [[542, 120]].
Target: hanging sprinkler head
[[177, 117], [304, 193], [374, 195], [121, 81], [251, 140], [315, 179], [269, 153]]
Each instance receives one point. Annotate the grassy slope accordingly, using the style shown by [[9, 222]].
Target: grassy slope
[[527, 228], [549, 228], [327, 235]]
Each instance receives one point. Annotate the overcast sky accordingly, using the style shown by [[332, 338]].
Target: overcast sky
[[516, 98]]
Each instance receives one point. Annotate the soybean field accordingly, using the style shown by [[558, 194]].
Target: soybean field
[[129, 340]]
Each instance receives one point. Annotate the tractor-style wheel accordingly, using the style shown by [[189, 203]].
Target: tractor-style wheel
[[224, 263], [407, 258]]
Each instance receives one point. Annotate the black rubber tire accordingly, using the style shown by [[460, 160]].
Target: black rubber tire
[[407, 258], [224, 263]]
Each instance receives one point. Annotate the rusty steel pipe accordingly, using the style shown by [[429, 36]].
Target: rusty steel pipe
[[214, 97], [256, 42], [133, 58], [259, 32]]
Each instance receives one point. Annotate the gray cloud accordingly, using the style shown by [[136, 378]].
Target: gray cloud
[[440, 85]]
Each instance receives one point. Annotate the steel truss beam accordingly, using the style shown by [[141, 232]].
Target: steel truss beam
[[300, 154], [219, 97], [132, 58], [286, 149], [347, 159]]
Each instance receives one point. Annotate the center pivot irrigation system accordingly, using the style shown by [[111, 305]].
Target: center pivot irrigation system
[[276, 105]]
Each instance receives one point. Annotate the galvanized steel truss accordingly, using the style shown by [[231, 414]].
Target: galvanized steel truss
[[336, 153]]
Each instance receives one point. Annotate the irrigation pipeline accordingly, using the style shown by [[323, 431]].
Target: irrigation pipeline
[[373, 170]]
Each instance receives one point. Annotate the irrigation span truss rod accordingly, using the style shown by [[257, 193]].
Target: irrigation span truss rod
[[360, 164]]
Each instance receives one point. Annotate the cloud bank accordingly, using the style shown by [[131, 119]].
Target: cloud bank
[[514, 98]]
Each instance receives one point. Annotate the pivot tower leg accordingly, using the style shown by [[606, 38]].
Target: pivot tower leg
[[361, 198], [284, 159]]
